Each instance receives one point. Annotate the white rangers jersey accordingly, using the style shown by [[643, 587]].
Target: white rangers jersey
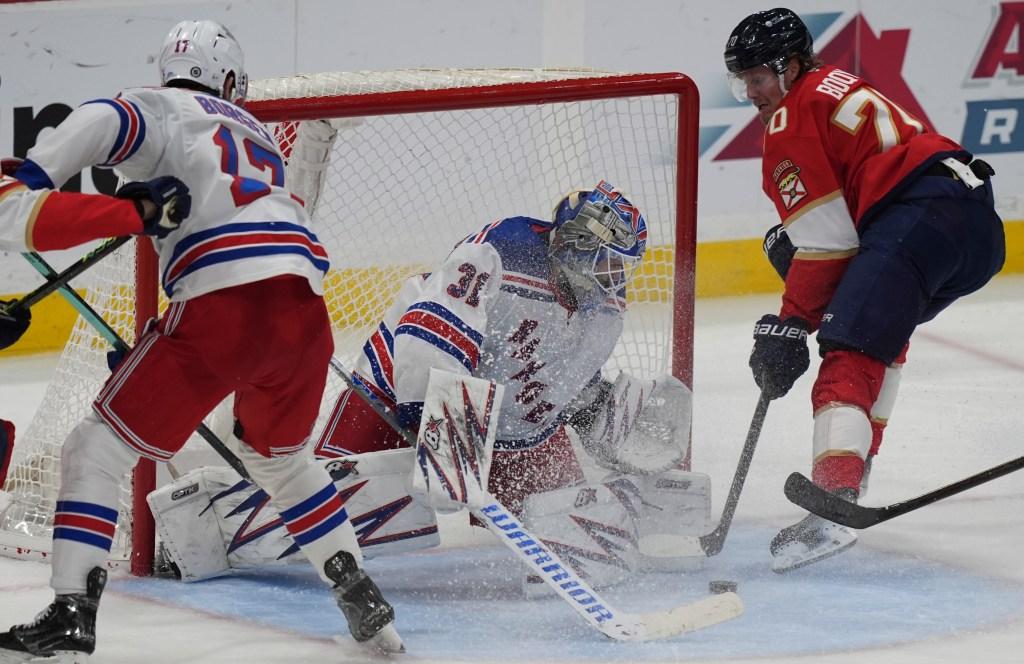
[[490, 311], [244, 226]]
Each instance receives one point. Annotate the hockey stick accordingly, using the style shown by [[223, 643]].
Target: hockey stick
[[711, 543], [114, 339], [563, 580], [813, 498], [69, 273]]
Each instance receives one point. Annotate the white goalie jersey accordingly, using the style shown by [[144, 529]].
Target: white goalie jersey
[[490, 311], [245, 226]]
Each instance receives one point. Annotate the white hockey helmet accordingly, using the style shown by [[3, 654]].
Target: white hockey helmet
[[206, 53]]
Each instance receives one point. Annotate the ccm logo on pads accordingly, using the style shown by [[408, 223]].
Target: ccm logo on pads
[[187, 491]]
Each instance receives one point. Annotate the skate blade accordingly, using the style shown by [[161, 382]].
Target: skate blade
[[783, 563], [385, 642]]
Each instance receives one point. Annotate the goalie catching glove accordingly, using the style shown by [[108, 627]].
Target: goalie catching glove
[[635, 426], [162, 203]]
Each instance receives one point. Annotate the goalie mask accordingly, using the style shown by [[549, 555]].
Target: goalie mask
[[598, 241], [206, 53]]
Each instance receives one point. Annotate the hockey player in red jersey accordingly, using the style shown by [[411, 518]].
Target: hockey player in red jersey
[[891, 222], [244, 277]]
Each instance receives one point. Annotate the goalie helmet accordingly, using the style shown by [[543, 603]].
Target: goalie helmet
[[598, 240], [767, 38], [206, 53]]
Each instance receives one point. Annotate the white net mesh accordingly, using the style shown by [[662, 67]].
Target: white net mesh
[[392, 188], [35, 467]]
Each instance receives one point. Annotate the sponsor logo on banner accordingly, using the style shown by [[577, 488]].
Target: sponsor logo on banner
[[994, 125]]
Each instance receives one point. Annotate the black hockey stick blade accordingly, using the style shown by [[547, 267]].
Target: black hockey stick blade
[[808, 495], [813, 498], [712, 542]]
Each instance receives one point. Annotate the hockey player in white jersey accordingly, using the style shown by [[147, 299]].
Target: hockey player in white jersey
[[244, 278], [537, 306]]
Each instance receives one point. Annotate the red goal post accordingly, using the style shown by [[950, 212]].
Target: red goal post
[[396, 167]]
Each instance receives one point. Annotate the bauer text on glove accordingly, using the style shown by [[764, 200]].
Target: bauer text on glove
[[780, 354]]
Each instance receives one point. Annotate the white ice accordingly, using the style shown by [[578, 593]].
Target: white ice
[[943, 584]]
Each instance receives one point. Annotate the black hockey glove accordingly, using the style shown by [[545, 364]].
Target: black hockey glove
[[779, 249], [171, 203], [13, 323], [780, 354]]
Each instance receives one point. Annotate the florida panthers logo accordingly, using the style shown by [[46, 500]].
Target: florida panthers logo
[[791, 187], [432, 433]]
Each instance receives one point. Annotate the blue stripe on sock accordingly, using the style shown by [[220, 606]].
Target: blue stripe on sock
[[309, 504], [325, 527], [91, 509], [84, 537]]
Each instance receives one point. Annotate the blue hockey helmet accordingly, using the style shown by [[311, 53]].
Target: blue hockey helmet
[[598, 239]]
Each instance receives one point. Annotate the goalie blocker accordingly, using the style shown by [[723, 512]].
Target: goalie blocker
[[600, 497]]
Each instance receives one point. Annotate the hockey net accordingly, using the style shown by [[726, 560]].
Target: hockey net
[[397, 167]]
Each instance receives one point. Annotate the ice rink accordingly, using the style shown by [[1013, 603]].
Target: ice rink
[[943, 584]]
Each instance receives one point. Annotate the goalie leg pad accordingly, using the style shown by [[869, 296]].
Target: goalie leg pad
[[377, 490], [591, 527], [675, 509], [304, 495], [188, 524], [211, 521]]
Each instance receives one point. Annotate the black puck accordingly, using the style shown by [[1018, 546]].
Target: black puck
[[719, 587]]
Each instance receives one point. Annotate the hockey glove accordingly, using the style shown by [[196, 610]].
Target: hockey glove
[[779, 249], [170, 201], [13, 323], [780, 354]]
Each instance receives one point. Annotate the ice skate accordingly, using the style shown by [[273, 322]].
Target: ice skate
[[64, 632], [810, 540], [370, 617]]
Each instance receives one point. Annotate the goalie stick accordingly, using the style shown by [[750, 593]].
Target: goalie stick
[[813, 498], [114, 339], [563, 580]]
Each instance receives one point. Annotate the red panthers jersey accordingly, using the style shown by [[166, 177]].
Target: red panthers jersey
[[833, 151]]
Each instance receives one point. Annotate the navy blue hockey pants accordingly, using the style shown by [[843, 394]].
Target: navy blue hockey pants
[[936, 242]]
